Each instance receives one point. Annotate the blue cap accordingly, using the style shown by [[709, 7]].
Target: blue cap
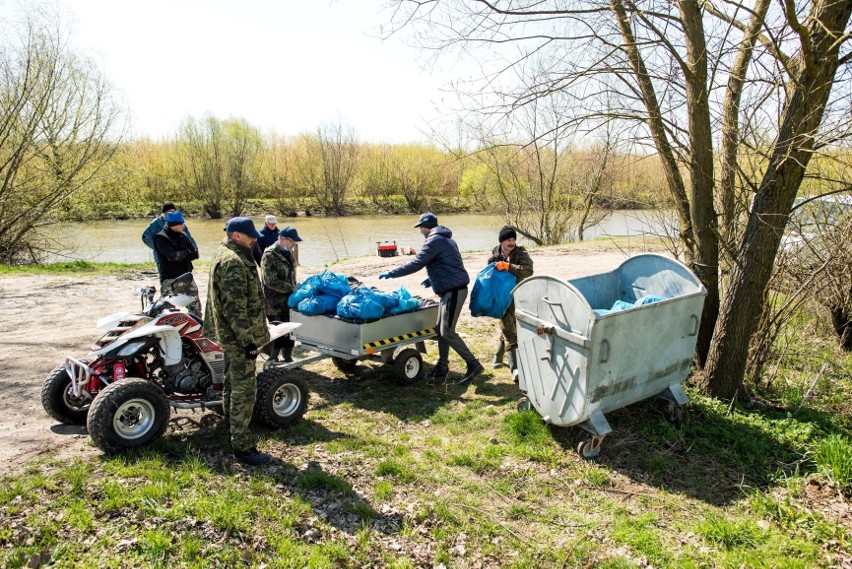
[[175, 217], [290, 233], [427, 220], [242, 224]]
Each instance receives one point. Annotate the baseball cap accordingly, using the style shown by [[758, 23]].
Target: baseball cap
[[243, 225], [175, 217], [427, 220], [291, 233], [272, 219]]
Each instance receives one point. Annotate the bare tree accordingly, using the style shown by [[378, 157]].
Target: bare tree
[[58, 127], [221, 162], [327, 166], [679, 76]]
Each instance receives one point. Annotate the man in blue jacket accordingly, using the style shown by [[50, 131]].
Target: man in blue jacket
[[449, 279], [158, 224]]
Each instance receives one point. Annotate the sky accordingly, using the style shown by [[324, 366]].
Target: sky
[[286, 65]]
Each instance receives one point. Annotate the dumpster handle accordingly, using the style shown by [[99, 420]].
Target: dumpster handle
[[604, 351], [548, 301], [695, 327]]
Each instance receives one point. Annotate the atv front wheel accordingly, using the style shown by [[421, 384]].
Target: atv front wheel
[[58, 399], [127, 414], [281, 401]]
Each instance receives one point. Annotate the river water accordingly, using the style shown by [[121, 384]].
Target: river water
[[325, 239]]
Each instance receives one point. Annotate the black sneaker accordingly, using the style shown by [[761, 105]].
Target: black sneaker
[[252, 457], [438, 373], [473, 371]]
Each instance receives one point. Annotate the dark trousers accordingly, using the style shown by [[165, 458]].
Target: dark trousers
[[448, 314]]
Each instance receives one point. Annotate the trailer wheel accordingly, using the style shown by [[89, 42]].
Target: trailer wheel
[[524, 404], [346, 366], [408, 366], [281, 400]]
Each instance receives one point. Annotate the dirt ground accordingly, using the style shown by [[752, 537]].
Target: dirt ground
[[47, 318]]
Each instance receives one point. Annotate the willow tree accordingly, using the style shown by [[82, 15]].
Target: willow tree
[[58, 127], [325, 165], [680, 77], [220, 162]]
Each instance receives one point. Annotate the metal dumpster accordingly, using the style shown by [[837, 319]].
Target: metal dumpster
[[346, 341], [575, 365]]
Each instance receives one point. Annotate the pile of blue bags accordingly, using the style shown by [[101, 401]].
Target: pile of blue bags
[[492, 292], [330, 293], [620, 305]]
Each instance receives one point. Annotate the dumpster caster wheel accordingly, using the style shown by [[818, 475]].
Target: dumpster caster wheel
[[524, 404], [408, 366], [676, 414], [588, 450]]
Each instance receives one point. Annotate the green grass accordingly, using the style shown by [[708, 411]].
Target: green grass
[[407, 476], [74, 267]]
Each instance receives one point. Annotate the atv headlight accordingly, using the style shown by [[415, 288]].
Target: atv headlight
[[131, 349]]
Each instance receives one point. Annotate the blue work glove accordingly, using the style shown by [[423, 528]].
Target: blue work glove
[[384, 275], [426, 283]]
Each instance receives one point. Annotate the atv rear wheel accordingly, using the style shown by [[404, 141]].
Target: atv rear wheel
[[127, 414], [58, 399], [281, 400]]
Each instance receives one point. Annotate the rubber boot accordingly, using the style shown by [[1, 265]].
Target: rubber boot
[[513, 363], [287, 350], [498, 356]]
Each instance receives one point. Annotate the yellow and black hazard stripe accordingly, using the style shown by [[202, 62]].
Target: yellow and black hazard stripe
[[395, 339]]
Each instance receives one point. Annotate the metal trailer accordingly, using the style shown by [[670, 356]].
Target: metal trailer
[[346, 342], [575, 364]]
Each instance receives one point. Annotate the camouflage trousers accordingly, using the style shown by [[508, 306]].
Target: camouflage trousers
[[171, 288], [240, 393], [509, 328]]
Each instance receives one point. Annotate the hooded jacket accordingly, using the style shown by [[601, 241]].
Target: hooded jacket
[[440, 255]]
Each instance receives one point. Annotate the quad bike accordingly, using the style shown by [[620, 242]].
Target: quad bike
[[150, 361]]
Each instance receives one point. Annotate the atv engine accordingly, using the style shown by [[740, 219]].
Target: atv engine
[[194, 378]]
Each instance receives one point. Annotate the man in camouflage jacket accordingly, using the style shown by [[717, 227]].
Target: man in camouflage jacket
[[508, 256], [278, 274], [235, 319]]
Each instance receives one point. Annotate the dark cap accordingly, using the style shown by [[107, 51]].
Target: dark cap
[[508, 232], [427, 220], [175, 217], [168, 206], [243, 225], [290, 233]]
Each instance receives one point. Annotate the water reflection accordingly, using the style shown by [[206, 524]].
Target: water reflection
[[325, 239]]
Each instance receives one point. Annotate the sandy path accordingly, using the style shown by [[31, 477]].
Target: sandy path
[[46, 318]]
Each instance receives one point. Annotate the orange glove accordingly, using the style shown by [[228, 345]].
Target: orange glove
[[501, 266]]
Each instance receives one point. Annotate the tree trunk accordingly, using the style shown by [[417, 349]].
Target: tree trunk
[[809, 92], [706, 254]]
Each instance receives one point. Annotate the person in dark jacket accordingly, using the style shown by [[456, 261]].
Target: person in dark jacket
[[268, 234], [509, 256], [278, 275], [176, 253], [158, 224], [449, 279]]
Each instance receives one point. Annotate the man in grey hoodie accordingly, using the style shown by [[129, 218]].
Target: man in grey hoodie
[[449, 279]]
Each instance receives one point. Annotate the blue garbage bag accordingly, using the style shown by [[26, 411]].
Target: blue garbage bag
[[362, 303], [318, 304], [328, 283], [492, 292], [405, 302]]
